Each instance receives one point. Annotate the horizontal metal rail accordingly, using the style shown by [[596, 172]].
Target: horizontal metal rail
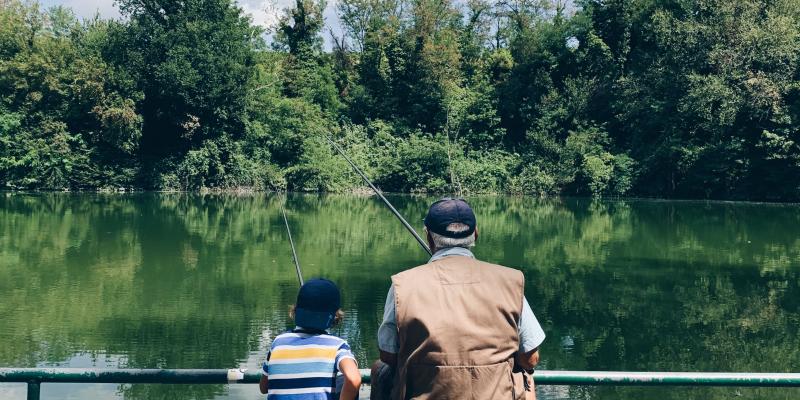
[[625, 378], [92, 375], [35, 376]]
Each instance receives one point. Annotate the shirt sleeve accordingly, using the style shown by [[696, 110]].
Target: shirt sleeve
[[531, 334], [387, 332], [342, 353], [265, 365]]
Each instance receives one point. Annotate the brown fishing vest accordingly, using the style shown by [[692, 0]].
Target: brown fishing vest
[[457, 321]]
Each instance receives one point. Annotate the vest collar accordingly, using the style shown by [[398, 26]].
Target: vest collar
[[451, 251]]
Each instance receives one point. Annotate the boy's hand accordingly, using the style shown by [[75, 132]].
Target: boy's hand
[[263, 384], [352, 379]]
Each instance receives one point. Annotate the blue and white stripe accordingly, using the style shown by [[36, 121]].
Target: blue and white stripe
[[304, 366]]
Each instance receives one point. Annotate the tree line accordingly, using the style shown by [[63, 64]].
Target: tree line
[[675, 98]]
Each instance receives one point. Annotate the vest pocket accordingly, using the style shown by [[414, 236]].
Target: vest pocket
[[480, 382]]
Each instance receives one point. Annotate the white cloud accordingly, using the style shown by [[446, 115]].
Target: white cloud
[[264, 13], [267, 12]]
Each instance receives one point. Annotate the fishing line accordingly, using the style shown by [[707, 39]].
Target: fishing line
[[388, 204], [291, 242]]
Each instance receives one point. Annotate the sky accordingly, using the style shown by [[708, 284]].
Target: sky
[[263, 12]]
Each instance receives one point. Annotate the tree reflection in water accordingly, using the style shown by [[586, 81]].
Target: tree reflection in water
[[204, 281]]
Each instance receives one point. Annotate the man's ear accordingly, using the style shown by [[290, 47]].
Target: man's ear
[[476, 233], [430, 240]]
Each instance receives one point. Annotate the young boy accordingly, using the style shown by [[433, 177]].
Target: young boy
[[304, 364]]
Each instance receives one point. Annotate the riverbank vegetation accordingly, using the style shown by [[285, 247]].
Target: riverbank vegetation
[[688, 99]]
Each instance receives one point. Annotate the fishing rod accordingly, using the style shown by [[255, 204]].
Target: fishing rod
[[294, 253], [388, 204]]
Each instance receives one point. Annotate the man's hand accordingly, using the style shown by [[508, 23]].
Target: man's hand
[[390, 358], [527, 361]]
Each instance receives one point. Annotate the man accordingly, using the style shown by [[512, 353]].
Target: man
[[456, 327]]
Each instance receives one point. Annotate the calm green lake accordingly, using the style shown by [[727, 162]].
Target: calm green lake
[[205, 281]]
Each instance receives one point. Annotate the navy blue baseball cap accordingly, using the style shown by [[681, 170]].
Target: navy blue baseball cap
[[448, 211], [317, 303]]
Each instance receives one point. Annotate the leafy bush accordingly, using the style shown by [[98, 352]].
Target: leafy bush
[[484, 172], [534, 181], [418, 164], [319, 169]]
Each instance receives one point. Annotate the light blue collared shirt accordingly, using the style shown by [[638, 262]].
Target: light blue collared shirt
[[531, 334]]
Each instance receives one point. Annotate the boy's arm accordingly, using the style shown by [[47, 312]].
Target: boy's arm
[[263, 384], [352, 379]]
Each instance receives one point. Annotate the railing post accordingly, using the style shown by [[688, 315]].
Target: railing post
[[34, 388]]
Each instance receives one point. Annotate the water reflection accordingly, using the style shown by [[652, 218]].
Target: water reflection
[[204, 281]]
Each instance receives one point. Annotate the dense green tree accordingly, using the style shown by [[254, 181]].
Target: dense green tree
[[681, 98], [705, 93], [66, 121], [308, 70], [193, 60]]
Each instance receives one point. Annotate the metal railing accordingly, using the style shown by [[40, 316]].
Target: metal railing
[[34, 377]]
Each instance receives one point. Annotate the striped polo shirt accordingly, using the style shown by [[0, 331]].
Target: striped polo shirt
[[304, 366]]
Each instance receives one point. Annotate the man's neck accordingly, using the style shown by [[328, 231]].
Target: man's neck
[[450, 251]]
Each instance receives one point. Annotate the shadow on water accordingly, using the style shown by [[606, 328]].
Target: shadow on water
[[204, 281]]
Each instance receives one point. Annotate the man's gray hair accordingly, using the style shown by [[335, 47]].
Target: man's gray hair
[[441, 242]]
